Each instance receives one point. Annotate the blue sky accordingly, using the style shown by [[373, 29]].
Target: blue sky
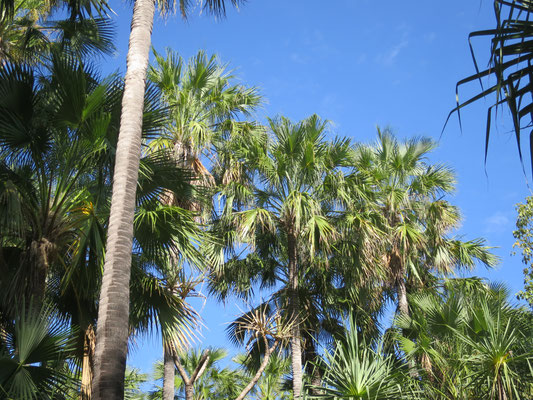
[[360, 64]]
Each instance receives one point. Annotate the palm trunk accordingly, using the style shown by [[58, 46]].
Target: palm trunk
[[189, 392], [403, 309], [87, 366], [294, 312], [403, 305], [113, 312], [397, 269], [168, 374], [39, 254], [311, 365]]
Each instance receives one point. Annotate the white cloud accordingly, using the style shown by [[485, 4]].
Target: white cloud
[[390, 56], [496, 223]]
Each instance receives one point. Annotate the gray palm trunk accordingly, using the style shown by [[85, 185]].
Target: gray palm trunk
[[113, 312], [396, 266], [168, 374], [189, 392], [403, 305], [294, 312]]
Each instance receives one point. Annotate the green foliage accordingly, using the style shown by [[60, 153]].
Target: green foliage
[[132, 385], [524, 241], [356, 370], [33, 31], [34, 352], [509, 66], [216, 383], [468, 342]]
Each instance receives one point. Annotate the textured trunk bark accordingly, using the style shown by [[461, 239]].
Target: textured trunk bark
[[39, 255], [113, 312], [168, 374], [87, 366], [403, 309], [403, 305], [294, 312], [189, 392]]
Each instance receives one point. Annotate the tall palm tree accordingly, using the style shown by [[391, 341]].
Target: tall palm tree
[[205, 107], [286, 219], [112, 332], [416, 222]]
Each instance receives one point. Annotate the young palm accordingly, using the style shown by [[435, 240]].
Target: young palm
[[287, 219], [211, 381], [356, 370], [469, 342], [271, 385]]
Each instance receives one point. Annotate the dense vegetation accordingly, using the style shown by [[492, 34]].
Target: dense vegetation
[[335, 231]]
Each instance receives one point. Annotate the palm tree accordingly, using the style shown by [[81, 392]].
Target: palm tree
[[204, 107], [511, 52], [415, 221], [112, 330], [286, 219], [51, 150]]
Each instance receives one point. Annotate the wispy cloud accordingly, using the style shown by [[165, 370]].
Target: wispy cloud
[[390, 56], [496, 223]]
